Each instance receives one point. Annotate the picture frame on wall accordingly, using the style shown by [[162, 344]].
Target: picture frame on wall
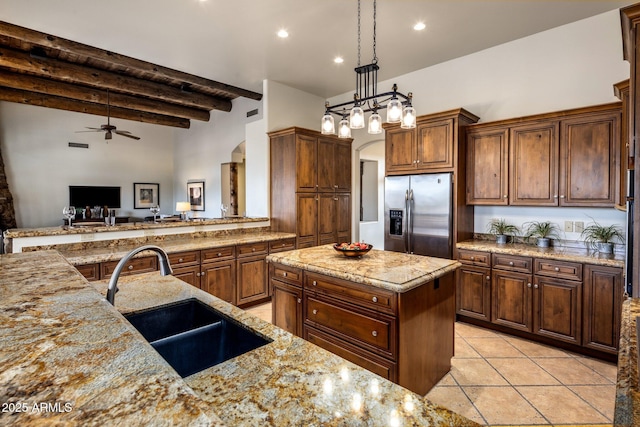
[[145, 195], [195, 192]]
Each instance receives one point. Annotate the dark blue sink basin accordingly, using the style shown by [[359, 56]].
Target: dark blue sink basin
[[191, 336]]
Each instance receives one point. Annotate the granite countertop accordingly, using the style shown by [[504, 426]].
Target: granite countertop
[[83, 229], [561, 253], [627, 411], [62, 343], [116, 252], [394, 271]]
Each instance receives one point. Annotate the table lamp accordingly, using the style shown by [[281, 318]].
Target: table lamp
[[183, 207]]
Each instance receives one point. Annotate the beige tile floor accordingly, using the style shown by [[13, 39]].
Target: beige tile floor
[[500, 380]]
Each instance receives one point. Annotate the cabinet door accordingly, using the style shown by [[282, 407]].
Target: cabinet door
[[557, 306], [134, 266], [487, 167], [343, 218], [400, 149], [219, 279], [434, 146], [306, 163], [90, 272], [511, 297], [327, 218], [342, 167], [534, 164], [287, 306], [473, 292], [590, 155], [603, 296], [307, 219], [326, 164], [252, 284], [191, 275]]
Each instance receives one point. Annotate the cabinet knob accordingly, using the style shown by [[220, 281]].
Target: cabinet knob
[[180, 260], [557, 269], [197, 274], [511, 263], [299, 300], [130, 267], [374, 299], [528, 285], [504, 196], [374, 333], [284, 274], [555, 196], [219, 253], [473, 258], [562, 196], [335, 186], [202, 274], [488, 277], [535, 286], [253, 249], [315, 283], [417, 161], [315, 311]]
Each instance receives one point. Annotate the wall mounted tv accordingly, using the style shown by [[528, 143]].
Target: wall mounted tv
[[81, 196]]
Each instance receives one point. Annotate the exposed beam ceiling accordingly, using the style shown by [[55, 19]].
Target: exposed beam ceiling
[[45, 70]]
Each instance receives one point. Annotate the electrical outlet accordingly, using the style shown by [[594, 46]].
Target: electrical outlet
[[568, 226], [87, 237], [149, 232], [579, 228]]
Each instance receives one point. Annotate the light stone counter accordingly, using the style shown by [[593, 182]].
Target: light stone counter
[[557, 253], [394, 271], [61, 342], [627, 412]]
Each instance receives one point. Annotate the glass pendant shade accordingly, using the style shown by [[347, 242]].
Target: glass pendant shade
[[328, 127], [375, 123], [344, 131], [394, 111], [408, 118], [356, 118]]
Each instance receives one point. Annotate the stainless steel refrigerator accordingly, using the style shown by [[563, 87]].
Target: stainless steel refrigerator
[[418, 214]]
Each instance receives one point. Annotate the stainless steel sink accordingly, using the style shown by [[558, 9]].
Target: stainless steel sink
[[192, 336]]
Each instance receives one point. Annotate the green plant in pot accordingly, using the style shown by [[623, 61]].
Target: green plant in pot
[[501, 229], [601, 238], [542, 231]]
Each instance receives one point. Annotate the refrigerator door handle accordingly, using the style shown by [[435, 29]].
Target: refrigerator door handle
[[406, 223], [410, 221]]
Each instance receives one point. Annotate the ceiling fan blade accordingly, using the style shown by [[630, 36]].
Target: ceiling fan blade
[[87, 127], [94, 130], [127, 134]]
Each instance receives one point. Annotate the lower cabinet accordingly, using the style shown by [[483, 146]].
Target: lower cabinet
[[219, 278], [91, 272], [286, 285], [564, 302], [133, 266]]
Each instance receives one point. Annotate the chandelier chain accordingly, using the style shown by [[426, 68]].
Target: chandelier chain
[[358, 33], [375, 57]]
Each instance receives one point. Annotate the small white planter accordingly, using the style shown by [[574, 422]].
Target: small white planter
[[501, 239], [604, 248], [543, 242]]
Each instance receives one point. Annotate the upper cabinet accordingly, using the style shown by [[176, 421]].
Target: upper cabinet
[[429, 148], [570, 158]]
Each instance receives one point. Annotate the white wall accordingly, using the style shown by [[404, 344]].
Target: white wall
[[40, 166], [572, 66], [371, 231]]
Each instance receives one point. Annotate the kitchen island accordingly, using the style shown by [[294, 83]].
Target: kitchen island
[[389, 312], [70, 358]]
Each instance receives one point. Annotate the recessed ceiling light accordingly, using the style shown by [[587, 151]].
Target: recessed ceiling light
[[419, 26], [338, 60], [283, 34]]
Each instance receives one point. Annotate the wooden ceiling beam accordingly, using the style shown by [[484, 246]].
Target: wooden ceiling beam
[[111, 58], [73, 73], [82, 93], [58, 102]]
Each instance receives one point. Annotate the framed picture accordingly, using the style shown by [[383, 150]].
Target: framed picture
[[145, 195], [195, 192]]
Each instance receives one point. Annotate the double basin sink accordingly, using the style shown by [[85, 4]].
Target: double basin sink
[[192, 336]]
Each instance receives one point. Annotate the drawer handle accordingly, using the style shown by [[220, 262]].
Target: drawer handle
[[511, 263], [473, 258], [315, 311], [284, 274], [299, 300], [253, 249], [374, 299], [219, 253], [315, 283], [557, 269], [180, 260], [374, 333], [130, 267], [528, 285]]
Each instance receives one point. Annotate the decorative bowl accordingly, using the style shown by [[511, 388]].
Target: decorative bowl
[[352, 249]]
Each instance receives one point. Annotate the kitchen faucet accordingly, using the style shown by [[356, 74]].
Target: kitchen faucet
[[165, 268]]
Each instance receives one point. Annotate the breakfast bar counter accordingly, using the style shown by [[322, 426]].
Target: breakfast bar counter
[[70, 358]]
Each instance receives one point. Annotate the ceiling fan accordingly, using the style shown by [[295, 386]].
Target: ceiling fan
[[109, 129]]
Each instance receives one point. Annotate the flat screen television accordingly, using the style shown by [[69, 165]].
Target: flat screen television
[[82, 195]]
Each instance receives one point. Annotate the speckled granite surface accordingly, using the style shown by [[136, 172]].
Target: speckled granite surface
[[394, 271], [61, 342], [557, 253], [627, 412]]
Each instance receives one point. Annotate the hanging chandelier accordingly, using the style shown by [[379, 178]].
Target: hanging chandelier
[[367, 99]]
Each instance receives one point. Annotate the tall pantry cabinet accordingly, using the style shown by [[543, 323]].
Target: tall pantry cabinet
[[310, 186]]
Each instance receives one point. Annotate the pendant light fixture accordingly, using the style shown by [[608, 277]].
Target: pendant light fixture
[[367, 99]]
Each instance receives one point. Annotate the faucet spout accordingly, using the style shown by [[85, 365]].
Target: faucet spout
[[163, 259]]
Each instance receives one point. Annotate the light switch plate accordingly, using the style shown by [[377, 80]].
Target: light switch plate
[[568, 226], [579, 226]]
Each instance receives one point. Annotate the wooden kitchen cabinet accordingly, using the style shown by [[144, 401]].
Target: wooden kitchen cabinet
[[511, 300], [621, 91], [311, 186], [286, 285], [252, 284], [399, 149], [218, 272], [557, 308], [91, 272], [473, 285], [186, 266], [603, 296], [488, 167], [144, 264]]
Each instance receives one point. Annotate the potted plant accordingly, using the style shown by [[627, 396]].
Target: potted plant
[[601, 238], [501, 229], [543, 231]]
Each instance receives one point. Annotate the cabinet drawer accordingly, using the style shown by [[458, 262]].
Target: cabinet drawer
[[512, 263], [218, 254], [365, 296], [184, 259], [89, 271], [559, 269], [133, 266], [286, 274], [371, 330], [481, 259], [257, 248], [282, 245], [371, 362]]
